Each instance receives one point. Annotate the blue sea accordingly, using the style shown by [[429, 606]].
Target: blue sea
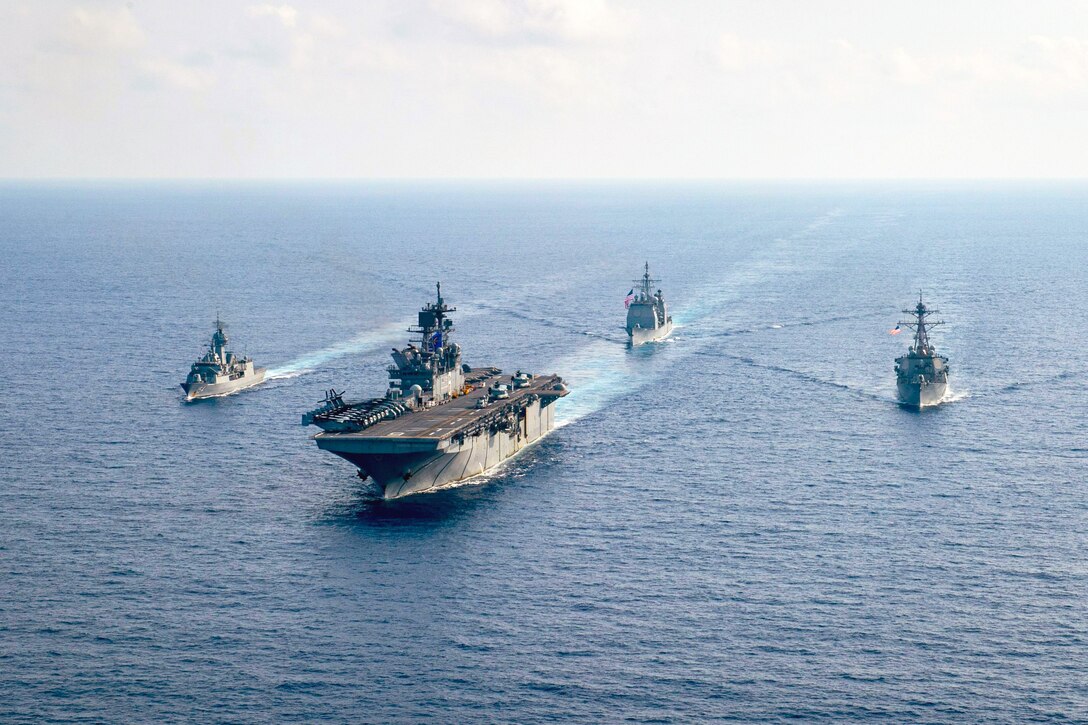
[[738, 524]]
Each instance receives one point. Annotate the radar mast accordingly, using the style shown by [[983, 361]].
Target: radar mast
[[647, 283], [921, 325], [433, 324]]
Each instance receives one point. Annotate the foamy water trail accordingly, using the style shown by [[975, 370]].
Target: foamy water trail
[[775, 259], [822, 221], [594, 374], [371, 340], [602, 371], [955, 396], [390, 334]]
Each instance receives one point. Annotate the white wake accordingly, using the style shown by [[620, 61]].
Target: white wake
[[369, 341]]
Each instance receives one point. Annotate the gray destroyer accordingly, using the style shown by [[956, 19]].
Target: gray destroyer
[[220, 371], [921, 375], [440, 421], [648, 316]]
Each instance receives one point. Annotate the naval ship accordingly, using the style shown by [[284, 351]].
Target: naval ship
[[921, 375], [647, 315], [440, 421], [220, 372]]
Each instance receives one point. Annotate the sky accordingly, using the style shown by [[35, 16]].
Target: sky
[[692, 89]]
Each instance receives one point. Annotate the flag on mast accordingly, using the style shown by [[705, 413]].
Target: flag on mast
[[630, 297], [895, 331]]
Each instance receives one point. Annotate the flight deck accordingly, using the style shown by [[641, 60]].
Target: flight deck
[[462, 415]]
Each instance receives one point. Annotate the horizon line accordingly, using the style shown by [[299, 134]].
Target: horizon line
[[612, 179]]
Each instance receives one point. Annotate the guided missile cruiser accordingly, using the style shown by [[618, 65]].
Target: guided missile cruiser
[[440, 421], [921, 375], [220, 371], [647, 314]]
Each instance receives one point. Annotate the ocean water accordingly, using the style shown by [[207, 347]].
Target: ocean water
[[737, 524]]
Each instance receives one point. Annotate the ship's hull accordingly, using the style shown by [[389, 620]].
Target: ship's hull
[[641, 335], [403, 466], [921, 395], [198, 391]]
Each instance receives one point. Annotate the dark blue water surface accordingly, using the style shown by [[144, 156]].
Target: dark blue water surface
[[738, 524]]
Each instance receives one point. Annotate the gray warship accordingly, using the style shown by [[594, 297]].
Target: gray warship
[[647, 314], [220, 372], [921, 375], [440, 421]]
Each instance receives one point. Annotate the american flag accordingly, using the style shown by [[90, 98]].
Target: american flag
[[630, 297]]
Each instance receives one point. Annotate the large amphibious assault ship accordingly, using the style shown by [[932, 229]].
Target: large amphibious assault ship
[[220, 372], [440, 421], [921, 375], [647, 315]]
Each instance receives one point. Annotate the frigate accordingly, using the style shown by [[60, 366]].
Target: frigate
[[220, 371], [647, 314], [440, 421], [921, 375]]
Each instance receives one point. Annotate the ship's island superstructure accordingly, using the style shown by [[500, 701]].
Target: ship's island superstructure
[[440, 421], [648, 316], [921, 375], [220, 371]]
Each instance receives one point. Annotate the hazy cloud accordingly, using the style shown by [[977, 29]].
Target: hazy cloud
[[158, 73], [736, 54], [532, 21], [1036, 65], [286, 14], [541, 88], [1057, 63], [99, 30]]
